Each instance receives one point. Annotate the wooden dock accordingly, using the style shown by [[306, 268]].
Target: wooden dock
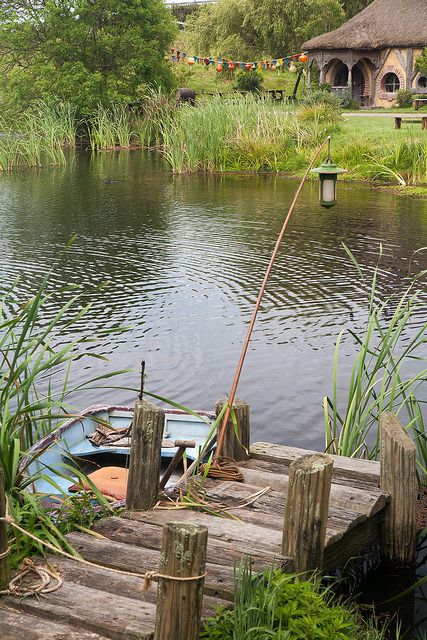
[[96, 603]]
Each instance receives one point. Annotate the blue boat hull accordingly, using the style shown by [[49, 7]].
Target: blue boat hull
[[69, 443]]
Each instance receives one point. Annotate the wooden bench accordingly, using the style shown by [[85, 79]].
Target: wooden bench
[[399, 120], [419, 102]]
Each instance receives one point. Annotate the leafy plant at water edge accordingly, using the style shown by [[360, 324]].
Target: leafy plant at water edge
[[279, 606], [377, 381], [36, 359]]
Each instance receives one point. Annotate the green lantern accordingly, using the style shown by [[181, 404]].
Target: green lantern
[[328, 175]]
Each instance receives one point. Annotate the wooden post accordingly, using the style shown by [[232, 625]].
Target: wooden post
[[179, 603], [306, 511], [398, 478], [144, 466], [4, 549], [236, 445]]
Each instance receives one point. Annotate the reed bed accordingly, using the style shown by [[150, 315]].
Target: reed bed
[[111, 128], [241, 134], [39, 137]]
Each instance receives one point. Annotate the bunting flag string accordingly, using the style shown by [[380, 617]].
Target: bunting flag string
[[223, 64]]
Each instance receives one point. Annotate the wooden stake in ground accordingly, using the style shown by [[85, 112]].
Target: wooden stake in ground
[[4, 549], [306, 511], [398, 478], [179, 603], [145, 451], [236, 437]]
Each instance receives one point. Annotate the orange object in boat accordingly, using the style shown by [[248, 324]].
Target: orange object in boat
[[110, 481]]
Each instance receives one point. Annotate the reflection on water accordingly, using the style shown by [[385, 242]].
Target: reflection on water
[[184, 258]]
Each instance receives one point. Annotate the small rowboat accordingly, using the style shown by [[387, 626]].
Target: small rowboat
[[89, 442]]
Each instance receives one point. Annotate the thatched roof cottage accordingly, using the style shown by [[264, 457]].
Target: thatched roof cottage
[[373, 53]]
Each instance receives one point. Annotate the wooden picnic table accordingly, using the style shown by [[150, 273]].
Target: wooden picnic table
[[419, 102], [399, 120]]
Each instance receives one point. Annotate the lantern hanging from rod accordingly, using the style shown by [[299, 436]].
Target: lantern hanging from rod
[[303, 57], [292, 67], [248, 66], [231, 66], [219, 67], [328, 176], [190, 61]]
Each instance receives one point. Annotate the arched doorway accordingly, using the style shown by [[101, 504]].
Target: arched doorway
[[358, 85], [340, 78]]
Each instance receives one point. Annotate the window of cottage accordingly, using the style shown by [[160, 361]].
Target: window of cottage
[[422, 82], [391, 83]]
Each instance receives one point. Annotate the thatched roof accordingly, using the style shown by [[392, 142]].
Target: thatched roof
[[384, 23]]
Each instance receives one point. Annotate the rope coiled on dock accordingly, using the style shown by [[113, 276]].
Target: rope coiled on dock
[[223, 469]]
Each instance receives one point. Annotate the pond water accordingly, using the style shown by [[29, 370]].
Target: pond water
[[183, 259]]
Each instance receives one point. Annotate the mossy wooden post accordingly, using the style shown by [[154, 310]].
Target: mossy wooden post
[[306, 511], [398, 478], [236, 444], [144, 466], [179, 603], [4, 549]]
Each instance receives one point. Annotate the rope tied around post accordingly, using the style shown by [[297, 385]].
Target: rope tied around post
[[45, 575]]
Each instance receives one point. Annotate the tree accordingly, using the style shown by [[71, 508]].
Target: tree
[[421, 62], [85, 51], [249, 29], [351, 7]]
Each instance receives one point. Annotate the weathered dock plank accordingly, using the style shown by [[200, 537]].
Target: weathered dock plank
[[350, 471], [126, 557], [103, 579], [367, 501], [144, 534], [17, 624], [111, 615]]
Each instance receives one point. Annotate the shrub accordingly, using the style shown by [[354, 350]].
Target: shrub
[[322, 96], [249, 81], [404, 97], [347, 101]]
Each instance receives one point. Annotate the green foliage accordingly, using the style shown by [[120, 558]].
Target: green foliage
[[36, 360], [421, 62], [242, 133], [404, 98], [249, 81], [83, 52], [351, 7], [248, 29], [322, 96], [378, 382], [279, 606]]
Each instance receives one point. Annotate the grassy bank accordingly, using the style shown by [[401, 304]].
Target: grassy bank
[[248, 134], [225, 134]]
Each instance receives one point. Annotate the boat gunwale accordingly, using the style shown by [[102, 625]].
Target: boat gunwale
[[44, 443]]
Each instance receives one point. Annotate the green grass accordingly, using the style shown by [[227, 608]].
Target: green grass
[[206, 80]]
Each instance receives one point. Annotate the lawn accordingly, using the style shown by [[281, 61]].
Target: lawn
[[206, 80]]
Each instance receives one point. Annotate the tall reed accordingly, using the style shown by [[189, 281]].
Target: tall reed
[[378, 382], [111, 128], [243, 133]]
